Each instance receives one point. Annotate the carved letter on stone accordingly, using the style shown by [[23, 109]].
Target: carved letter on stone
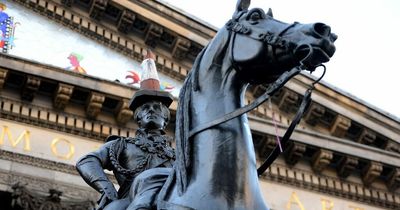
[[294, 199], [340, 126], [67, 154], [371, 172], [62, 95], [23, 137], [31, 86], [321, 160], [94, 104], [326, 204]]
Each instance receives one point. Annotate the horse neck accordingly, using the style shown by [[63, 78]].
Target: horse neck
[[221, 92], [228, 145]]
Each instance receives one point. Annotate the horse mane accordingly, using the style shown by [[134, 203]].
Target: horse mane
[[212, 53]]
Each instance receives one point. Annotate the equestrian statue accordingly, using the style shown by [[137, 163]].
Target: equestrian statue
[[215, 165]]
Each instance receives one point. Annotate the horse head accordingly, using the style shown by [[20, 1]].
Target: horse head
[[262, 43]]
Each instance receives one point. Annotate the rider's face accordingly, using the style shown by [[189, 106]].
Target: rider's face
[[151, 116]]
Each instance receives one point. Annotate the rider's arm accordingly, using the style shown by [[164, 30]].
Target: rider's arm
[[91, 168]]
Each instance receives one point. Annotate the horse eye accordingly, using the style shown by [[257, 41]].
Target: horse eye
[[255, 16]]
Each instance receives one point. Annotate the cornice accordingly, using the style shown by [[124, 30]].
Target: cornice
[[60, 121], [348, 105], [164, 21], [38, 162], [41, 163], [68, 77], [332, 186], [331, 143], [43, 186], [182, 17]]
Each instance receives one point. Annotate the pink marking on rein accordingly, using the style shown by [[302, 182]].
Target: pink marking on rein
[[278, 140]]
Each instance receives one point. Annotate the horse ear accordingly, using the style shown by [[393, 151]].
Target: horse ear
[[269, 13], [241, 5]]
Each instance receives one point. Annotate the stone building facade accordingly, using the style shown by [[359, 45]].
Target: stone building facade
[[345, 154]]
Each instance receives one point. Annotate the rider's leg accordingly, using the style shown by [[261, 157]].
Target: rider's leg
[[120, 204], [145, 188]]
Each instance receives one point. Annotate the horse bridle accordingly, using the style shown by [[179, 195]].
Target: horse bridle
[[275, 41]]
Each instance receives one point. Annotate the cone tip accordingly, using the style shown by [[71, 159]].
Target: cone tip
[[149, 55]]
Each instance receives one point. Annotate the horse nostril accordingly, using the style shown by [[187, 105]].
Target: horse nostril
[[321, 29]]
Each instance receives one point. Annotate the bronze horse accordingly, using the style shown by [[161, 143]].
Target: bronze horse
[[216, 166]]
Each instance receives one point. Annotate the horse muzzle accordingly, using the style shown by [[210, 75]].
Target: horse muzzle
[[317, 46]]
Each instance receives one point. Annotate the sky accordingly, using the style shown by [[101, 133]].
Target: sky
[[366, 62]]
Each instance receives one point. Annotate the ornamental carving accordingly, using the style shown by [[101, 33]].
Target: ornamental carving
[[288, 100], [372, 171], [153, 35], [314, 114], [321, 160], [28, 200], [94, 104], [180, 48], [367, 137], [340, 126], [393, 182], [392, 146], [3, 75], [123, 114], [62, 95], [294, 153], [125, 22], [30, 87], [97, 9], [346, 166], [67, 3]]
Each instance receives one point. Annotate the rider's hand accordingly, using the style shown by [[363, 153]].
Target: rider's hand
[[108, 194]]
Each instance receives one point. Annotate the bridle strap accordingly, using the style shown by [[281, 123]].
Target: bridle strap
[[275, 153], [263, 36], [279, 83]]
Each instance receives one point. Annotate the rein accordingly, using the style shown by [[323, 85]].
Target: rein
[[270, 39]]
